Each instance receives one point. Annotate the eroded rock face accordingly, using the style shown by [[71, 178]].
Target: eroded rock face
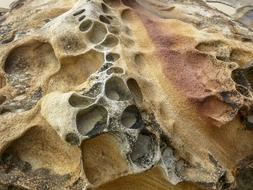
[[124, 94]]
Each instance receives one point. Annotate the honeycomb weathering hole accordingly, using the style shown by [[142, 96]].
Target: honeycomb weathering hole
[[85, 25], [76, 100], [104, 19], [97, 32], [112, 57], [79, 12], [135, 90], [116, 70], [143, 150], [110, 41], [131, 118], [115, 89], [93, 118]]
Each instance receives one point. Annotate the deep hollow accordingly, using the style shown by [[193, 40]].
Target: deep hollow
[[112, 57], [85, 25], [143, 150], [104, 19], [131, 118], [116, 89], [110, 41], [97, 32], [93, 118]]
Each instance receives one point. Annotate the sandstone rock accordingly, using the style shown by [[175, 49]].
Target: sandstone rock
[[131, 94]]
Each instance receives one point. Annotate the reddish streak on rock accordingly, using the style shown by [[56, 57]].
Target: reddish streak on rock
[[182, 67]]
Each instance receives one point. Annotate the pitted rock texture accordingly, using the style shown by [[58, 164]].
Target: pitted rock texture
[[125, 94]]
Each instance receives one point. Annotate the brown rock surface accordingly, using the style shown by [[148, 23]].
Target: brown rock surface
[[131, 94]]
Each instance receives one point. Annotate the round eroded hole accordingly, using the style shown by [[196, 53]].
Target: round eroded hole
[[115, 89], [110, 41], [92, 120], [131, 118], [85, 25], [112, 57], [76, 100], [97, 33], [114, 30]]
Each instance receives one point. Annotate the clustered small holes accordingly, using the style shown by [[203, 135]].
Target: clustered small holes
[[79, 12], [85, 25], [131, 118], [115, 89], [97, 33], [110, 41], [143, 151], [112, 57], [135, 90], [105, 66], [93, 118], [76, 100], [104, 19], [94, 91], [116, 70]]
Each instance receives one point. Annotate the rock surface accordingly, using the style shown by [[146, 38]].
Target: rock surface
[[131, 94]]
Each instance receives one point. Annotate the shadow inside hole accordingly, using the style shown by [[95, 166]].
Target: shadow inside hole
[[105, 8], [91, 121], [104, 19], [72, 139], [76, 100], [131, 118], [110, 41], [79, 12], [97, 33], [85, 25], [135, 90], [143, 150], [116, 70], [244, 178], [112, 57], [116, 89], [244, 80]]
